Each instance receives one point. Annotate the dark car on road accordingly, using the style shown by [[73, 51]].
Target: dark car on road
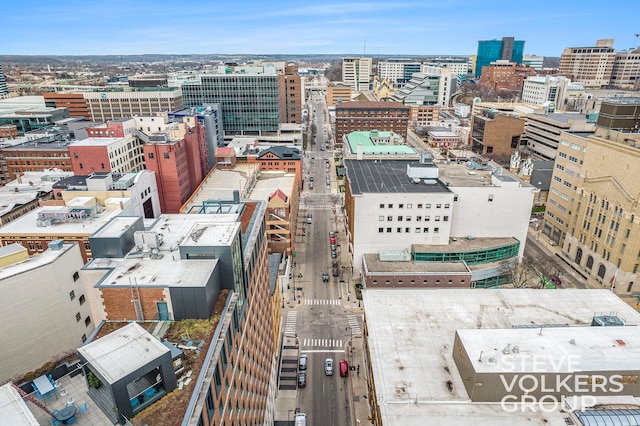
[[302, 379], [325, 278], [335, 271]]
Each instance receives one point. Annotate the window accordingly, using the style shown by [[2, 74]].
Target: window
[[399, 230], [407, 219], [490, 197], [437, 218], [76, 276], [166, 155], [87, 321], [445, 218], [455, 197], [427, 206], [380, 230], [407, 230], [446, 206], [382, 206], [389, 218], [418, 218], [427, 218], [78, 317], [417, 230], [390, 206], [399, 218], [84, 338], [380, 218], [81, 300], [409, 206], [438, 206], [419, 206], [72, 295], [425, 230], [400, 206], [388, 229], [436, 230]]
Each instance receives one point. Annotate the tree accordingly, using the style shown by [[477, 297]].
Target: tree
[[521, 274], [334, 72]]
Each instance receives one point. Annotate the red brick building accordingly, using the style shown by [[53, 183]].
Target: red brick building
[[291, 95], [496, 135], [505, 78], [9, 131], [282, 158], [367, 116]]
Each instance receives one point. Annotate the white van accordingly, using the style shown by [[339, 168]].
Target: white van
[[301, 419]]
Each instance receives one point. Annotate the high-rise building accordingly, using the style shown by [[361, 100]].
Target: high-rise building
[[4, 91], [251, 97], [399, 71], [504, 77], [626, 69], [432, 87], [292, 95], [458, 65], [533, 61], [591, 66], [506, 49], [559, 91], [356, 72], [338, 93], [592, 212]]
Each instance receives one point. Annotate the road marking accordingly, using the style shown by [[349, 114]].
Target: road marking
[[353, 322], [319, 351], [321, 302], [290, 326], [332, 343]]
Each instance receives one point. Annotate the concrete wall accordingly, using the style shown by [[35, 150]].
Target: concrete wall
[[506, 216], [367, 214], [38, 316]]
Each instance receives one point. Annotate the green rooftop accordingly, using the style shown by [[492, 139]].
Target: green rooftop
[[380, 146]]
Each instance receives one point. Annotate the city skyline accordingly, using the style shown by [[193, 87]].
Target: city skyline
[[286, 27]]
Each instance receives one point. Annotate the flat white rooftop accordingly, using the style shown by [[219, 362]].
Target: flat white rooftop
[[44, 258], [411, 335], [122, 352], [557, 349], [97, 142], [220, 184], [163, 272], [270, 182], [116, 227], [27, 224], [13, 409]]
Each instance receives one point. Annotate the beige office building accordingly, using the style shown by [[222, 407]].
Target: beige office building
[[626, 70], [356, 72], [592, 212], [591, 66], [111, 104]]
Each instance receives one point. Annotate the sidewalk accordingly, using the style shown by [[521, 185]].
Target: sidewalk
[[553, 249], [359, 398]]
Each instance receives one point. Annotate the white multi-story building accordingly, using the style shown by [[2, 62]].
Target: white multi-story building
[[458, 65], [356, 72], [399, 71], [553, 93], [626, 69], [432, 87], [394, 205], [44, 311], [533, 61]]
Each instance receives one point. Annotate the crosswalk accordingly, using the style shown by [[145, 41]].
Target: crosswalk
[[354, 324], [290, 325], [322, 301], [322, 343]]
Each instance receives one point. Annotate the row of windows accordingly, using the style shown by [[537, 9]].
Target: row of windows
[[419, 206], [418, 218], [408, 230], [413, 282]]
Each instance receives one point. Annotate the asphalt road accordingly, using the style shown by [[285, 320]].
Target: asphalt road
[[321, 322]]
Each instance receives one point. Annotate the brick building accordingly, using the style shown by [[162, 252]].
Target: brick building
[[281, 158], [367, 116], [9, 131], [496, 135], [506, 78], [74, 102]]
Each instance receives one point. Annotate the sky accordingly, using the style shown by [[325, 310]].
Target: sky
[[426, 27]]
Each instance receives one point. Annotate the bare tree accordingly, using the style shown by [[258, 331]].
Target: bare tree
[[521, 274]]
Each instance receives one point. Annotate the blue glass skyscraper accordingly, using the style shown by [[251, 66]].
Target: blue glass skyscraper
[[493, 50]]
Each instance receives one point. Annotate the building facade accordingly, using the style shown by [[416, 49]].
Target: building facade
[[542, 132], [423, 212], [505, 78], [356, 73], [496, 135], [251, 101], [423, 116], [533, 61], [57, 321], [434, 88], [507, 49], [4, 91], [592, 211], [338, 93], [626, 70], [367, 116], [74, 102], [591, 66], [554, 93], [398, 71]]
